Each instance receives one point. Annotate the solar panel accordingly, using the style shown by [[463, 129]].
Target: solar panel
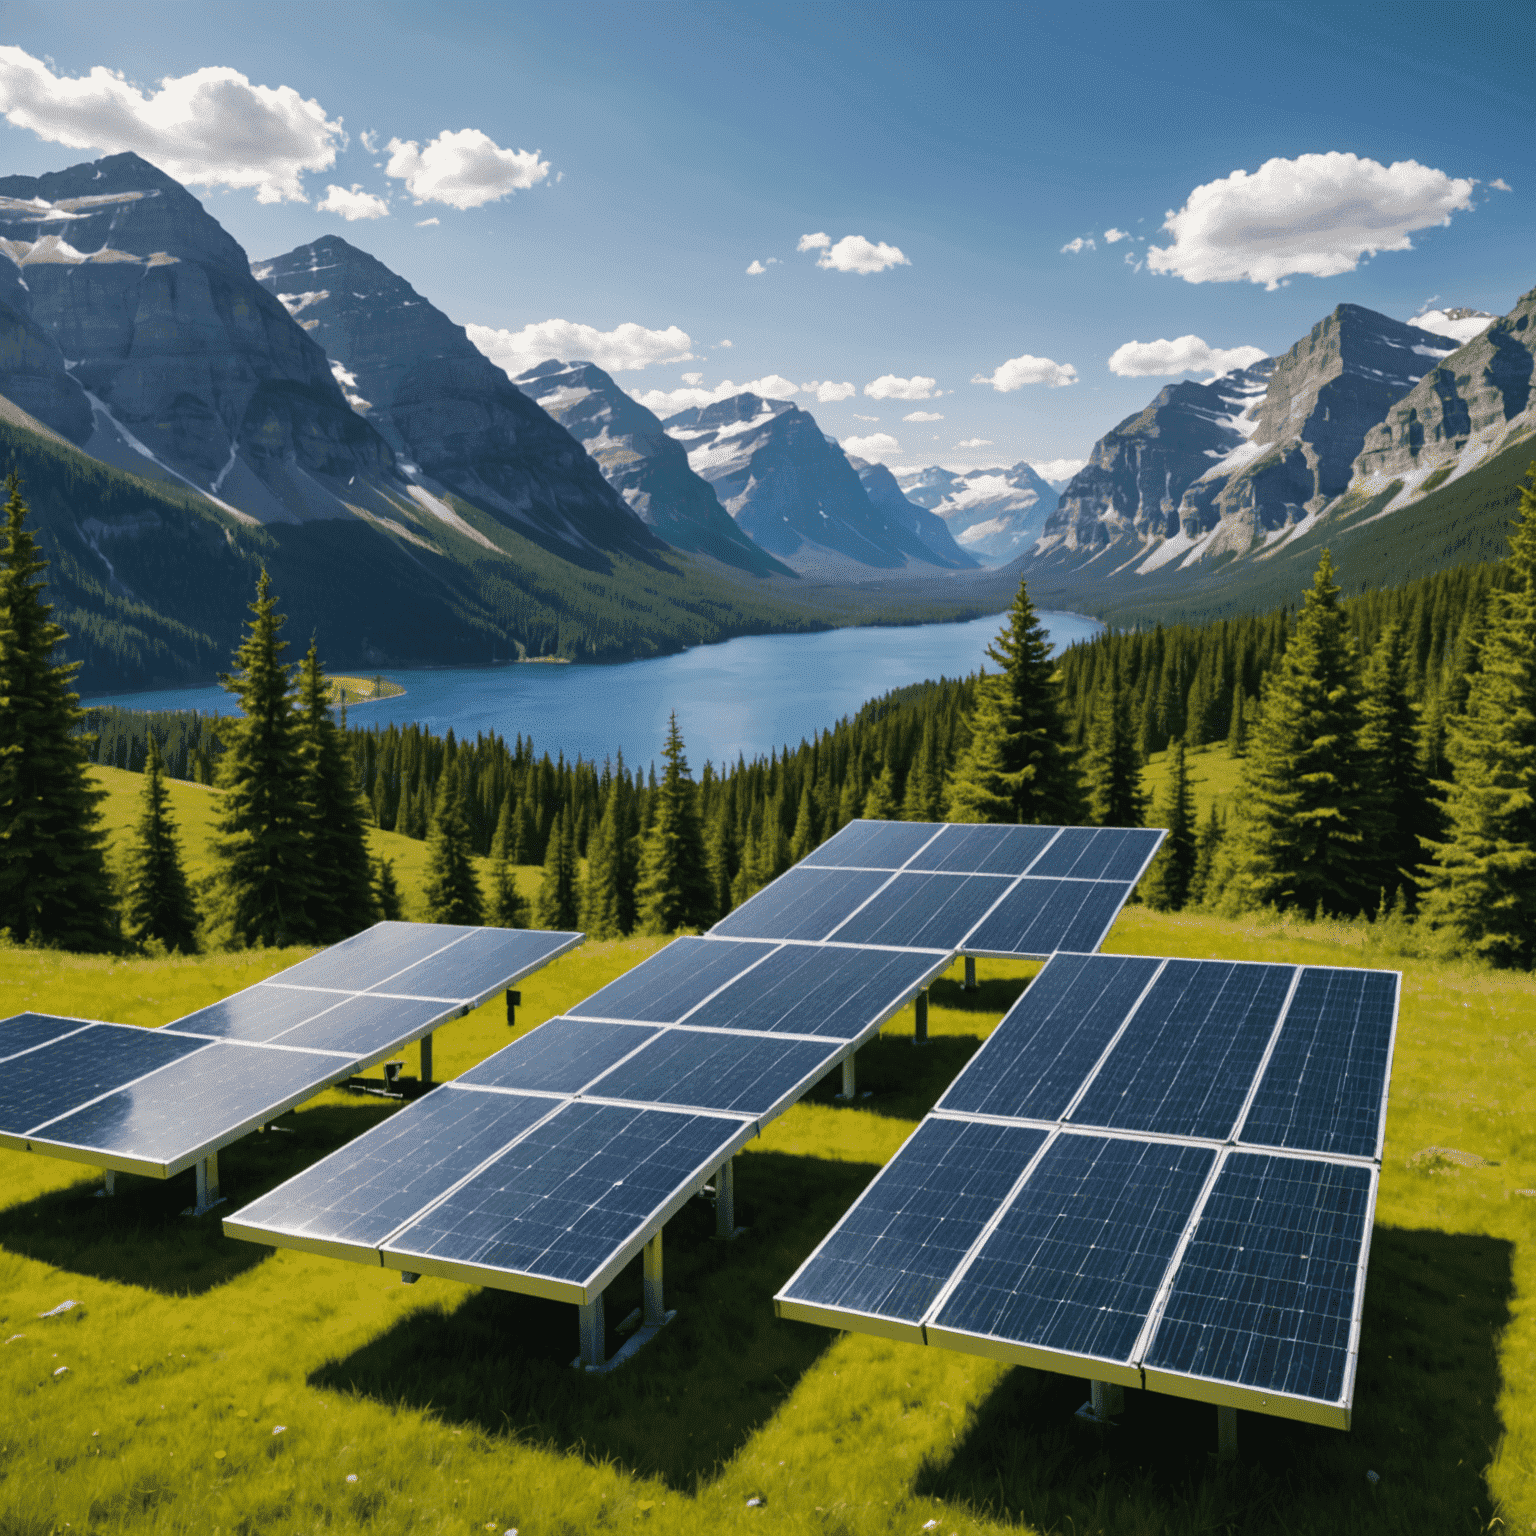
[[560, 1056], [666, 985], [984, 850], [802, 904], [373, 956], [367, 1028], [1038, 917], [923, 911], [27, 1031], [478, 965], [260, 1013], [872, 845], [1099, 853]]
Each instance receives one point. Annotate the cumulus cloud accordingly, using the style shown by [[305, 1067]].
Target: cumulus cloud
[[427, 223], [1111, 236], [369, 139], [464, 170], [1188, 354], [756, 269], [889, 387], [974, 442], [1019, 371], [857, 417], [1316, 215], [853, 253], [668, 402], [625, 347], [354, 204], [1056, 469], [1082, 243], [211, 128], [878, 446], [693, 378], [1500, 185], [922, 416], [826, 391], [818, 242]]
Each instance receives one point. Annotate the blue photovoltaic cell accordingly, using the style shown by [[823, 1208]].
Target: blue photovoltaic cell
[[480, 964], [892, 1253], [193, 1101], [801, 904], [560, 1056], [1038, 917], [260, 1013], [1265, 1292], [372, 956], [29, 1029], [808, 989], [57, 1078], [673, 980], [749, 1074], [923, 911], [872, 845], [984, 850], [363, 1026], [1098, 853], [1325, 1087], [567, 1197], [1078, 1257], [373, 1185], [1187, 1059], [1036, 1059]]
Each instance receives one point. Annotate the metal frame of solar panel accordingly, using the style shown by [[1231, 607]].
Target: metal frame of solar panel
[[159, 1101], [1095, 1194]]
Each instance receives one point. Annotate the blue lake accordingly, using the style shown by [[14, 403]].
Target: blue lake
[[745, 696]]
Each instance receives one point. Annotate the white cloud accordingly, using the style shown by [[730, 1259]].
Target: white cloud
[[668, 402], [857, 417], [878, 446], [427, 223], [1315, 215], [1056, 469], [1132, 261], [627, 346], [209, 128], [756, 269], [464, 170], [974, 442], [369, 139], [818, 242], [1019, 371], [1460, 331], [1082, 243], [1111, 236], [1500, 185], [693, 378], [353, 205], [889, 387], [1188, 354], [725, 343], [922, 416], [826, 391], [853, 253]]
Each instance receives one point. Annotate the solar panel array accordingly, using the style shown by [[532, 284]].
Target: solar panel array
[[156, 1101], [1158, 1173], [547, 1167]]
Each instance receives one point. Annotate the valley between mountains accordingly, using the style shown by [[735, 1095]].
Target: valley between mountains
[[181, 415]]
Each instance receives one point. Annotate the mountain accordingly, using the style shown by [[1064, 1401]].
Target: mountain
[[1459, 324], [166, 357], [793, 492], [455, 421], [645, 466], [884, 491], [995, 515]]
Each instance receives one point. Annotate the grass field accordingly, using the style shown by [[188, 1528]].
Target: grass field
[[359, 690], [155, 1405]]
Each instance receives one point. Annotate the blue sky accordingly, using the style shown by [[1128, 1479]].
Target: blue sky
[[620, 167]]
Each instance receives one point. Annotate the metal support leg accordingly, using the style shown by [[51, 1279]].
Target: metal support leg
[[1105, 1400], [654, 1313], [513, 999], [1226, 1433], [725, 1202], [970, 973], [850, 1076], [207, 1185], [591, 1357], [426, 1059], [108, 1184], [920, 1029]]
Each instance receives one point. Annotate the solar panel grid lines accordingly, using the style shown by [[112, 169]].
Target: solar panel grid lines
[[37, 1030], [937, 909], [1115, 1039], [1269, 1052], [845, 847], [705, 1029]]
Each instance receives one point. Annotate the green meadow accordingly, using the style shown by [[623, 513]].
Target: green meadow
[[206, 1385]]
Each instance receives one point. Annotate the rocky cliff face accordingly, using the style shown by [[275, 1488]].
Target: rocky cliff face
[[645, 466], [995, 515], [1128, 494], [185, 368], [1477, 402], [884, 491], [453, 418], [791, 490]]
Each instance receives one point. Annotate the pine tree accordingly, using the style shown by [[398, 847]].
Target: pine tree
[[1305, 803], [1018, 733], [557, 903], [1389, 740], [601, 903], [506, 909], [342, 901], [1112, 765], [673, 888], [54, 887], [386, 892], [1237, 731], [1482, 884], [880, 802], [452, 888], [158, 903], [1168, 880], [804, 836], [920, 800], [1204, 885], [265, 876]]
